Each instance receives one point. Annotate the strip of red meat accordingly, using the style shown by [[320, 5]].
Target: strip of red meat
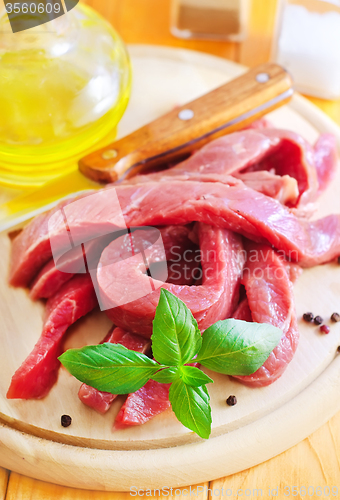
[[243, 312], [222, 260], [237, 208], [48, 281], [53, 276], [278, 152], [282, 188], [39, 372], [101, 401], [270, 300], [326, 158], [149, 401], [35, 245]]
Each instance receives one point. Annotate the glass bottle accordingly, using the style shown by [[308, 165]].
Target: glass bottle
[[64, 86], [214, 19], [307, 44]]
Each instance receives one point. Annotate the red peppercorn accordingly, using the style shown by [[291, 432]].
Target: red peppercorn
[[325, 329]]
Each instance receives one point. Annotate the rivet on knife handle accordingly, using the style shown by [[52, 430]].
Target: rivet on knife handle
[[226, 109]]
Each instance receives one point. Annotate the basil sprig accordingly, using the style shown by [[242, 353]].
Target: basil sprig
[[231, 347]]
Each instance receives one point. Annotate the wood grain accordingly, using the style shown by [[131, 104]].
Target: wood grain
[[4, 474], [312, 463], [24, 488]]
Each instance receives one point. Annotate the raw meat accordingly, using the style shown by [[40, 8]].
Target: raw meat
[[270, 300], [38, 373], [51, 277], [237, 208], [279, 152], [325, 160], [48, 281], [243, 312], [222, 260], [152, 399], [172, 203], [33, 242]]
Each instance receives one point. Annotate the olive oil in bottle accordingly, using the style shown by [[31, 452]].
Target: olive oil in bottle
[[64, 86]]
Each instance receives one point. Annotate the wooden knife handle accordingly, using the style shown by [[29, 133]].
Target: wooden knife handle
[[226, 109]]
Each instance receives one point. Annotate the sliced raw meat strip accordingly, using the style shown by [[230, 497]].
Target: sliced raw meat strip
[[280, 152], [294, 271], [326, 159], [291, 156], [33, 242], [243, 312], [51, 277], [152, 399], [270, 298], [39, 371], [282, 188], [222, 260], [99, 400], [237, 208], [48, 281]]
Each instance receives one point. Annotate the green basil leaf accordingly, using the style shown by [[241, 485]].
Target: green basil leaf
[[166, 376], [176, 338], [236, 347], [110, 367], [194, 376], [191, 407]]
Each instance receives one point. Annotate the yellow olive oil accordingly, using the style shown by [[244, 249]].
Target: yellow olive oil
[[60, 94]]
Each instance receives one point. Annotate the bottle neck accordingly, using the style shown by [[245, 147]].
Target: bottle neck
[[53, 37]]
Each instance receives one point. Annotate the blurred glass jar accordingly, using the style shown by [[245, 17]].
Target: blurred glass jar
[[307, 44], [214, 19], [64, 86]]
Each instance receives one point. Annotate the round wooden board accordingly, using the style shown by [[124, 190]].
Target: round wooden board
[[265, 422]]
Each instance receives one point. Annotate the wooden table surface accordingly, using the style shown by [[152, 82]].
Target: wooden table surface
[[313, 463]]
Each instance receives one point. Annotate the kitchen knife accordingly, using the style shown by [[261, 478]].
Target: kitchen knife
[[171, 137]]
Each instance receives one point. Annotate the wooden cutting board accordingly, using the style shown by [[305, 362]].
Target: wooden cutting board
[[266, 421]]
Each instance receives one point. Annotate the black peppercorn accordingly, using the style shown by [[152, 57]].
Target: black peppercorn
[[335, 317], [231, 401], [318, 320], [66, 420], [308, 317]]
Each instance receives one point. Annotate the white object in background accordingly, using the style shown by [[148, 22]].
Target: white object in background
[[216, 19], [308, 45]]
